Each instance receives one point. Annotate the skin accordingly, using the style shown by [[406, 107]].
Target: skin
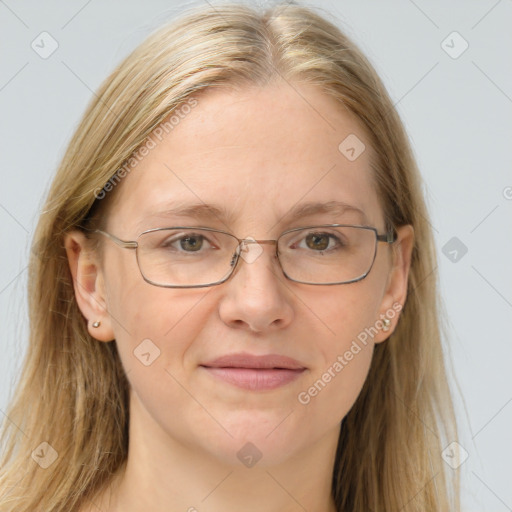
[[257, 152]]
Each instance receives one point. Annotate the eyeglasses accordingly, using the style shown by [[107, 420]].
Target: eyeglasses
[[194, 257]]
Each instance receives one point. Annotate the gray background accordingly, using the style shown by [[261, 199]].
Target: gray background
[[457, 111]]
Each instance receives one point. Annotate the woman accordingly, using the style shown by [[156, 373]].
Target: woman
[[233, 300]]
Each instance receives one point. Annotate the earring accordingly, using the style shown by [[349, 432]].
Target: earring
[[96, 323], [387, 323]]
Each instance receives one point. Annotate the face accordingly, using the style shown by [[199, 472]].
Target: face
[[256, 154]]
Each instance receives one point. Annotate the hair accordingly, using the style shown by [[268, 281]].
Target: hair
[[73, 392]]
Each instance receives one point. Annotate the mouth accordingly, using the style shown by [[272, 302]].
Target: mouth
[[255, 373]]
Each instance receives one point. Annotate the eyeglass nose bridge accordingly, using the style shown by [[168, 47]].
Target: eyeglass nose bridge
[[242, 242], [242, 247]]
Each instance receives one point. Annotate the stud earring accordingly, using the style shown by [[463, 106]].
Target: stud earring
[[387, 323], [96, 324]]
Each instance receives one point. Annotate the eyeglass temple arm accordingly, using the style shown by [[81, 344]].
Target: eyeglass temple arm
[[127, 244], [388, 237]]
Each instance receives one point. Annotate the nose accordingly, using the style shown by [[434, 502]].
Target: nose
[[257, 296]]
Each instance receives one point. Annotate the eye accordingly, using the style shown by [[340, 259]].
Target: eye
[[320, 241], [189, 242]]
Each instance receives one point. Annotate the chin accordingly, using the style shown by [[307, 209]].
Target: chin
[[258, 439], [253, 453]]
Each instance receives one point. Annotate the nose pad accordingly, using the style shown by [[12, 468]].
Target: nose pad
[[249, 250], [234, 258]]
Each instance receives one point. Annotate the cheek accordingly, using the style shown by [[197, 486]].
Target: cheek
[[156, 347], [158, 321], [343, 314], [348, 315]]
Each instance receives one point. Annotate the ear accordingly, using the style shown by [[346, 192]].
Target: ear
[[396, 287], [88, 284]]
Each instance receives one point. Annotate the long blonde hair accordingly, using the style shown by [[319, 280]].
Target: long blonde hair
[[73, 393]]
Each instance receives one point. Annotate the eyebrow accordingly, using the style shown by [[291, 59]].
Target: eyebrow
[[333, 207], [206, 211]]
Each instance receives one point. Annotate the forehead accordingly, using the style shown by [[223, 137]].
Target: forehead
[[255, 155]]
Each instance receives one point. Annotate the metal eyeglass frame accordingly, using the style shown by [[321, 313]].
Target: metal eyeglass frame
[[389, 237]]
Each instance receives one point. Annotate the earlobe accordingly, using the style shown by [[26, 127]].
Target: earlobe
[[88, 285], [396, 290]]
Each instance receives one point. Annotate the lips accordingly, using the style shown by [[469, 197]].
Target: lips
[[253, 372], [256, 362]]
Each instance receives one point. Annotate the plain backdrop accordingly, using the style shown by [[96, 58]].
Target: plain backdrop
[[447, 68]]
